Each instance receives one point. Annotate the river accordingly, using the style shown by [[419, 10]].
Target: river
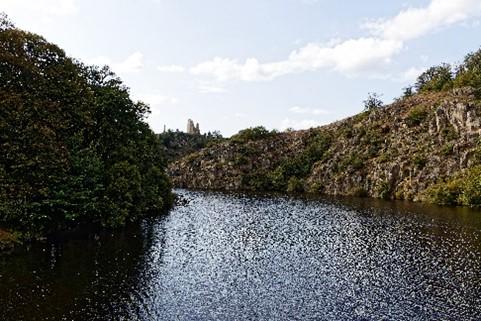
[[242, 257]]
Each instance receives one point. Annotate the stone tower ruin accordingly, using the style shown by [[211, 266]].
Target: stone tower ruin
[[191, 128]]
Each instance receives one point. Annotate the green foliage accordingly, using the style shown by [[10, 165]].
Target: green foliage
[[419, 161], [352, 162], [463, 190], [447, 149], [301, 165], [416, 116], [257, 182], [75, 147], [384, 158], [252, 134], [408, 92], [178, 144], [469, 72], [5, 23], [384, 190], [373, 139], [442, 77], [373, 102], [450, 133], [295, 185], [241, 160], [436, 78]]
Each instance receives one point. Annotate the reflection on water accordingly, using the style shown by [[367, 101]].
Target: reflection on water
[[237, 257]]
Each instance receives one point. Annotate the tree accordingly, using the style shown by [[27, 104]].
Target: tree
[[436, 78], [373, 102], [252, 133], [408, 92], [469, 72], [5, 23], [74, 146]]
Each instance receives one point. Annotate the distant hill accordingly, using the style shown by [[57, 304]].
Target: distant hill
[[423, 147]]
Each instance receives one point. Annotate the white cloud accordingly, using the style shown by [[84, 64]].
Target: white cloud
[[171, 68], [349, 56], [310, 111], [411, 74], [131, 64], [387, 38], [413, 23], [44, 8]]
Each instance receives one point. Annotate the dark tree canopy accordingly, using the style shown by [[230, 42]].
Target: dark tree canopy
[[435, 79], [74, 146]]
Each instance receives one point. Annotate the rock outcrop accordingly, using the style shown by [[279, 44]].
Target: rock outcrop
[[394, 152]]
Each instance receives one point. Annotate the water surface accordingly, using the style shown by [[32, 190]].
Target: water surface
[[240, 257]]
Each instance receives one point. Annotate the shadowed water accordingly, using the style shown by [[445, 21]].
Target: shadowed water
[[237, 257]]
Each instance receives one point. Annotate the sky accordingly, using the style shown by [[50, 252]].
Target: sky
[[233, 64]]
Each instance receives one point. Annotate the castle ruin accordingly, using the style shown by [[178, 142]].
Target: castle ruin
[[192, 129]]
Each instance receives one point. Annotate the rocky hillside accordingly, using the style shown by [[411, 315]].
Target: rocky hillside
[[413, 149]]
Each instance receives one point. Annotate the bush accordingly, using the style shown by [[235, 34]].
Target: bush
[[257, 182], [464, 189], [295, 185], [435, 79], [353, 161], [447, 149], [450, 133], [252, 134], [420, 161], [384, 190], [373, 102], [469, 72], [416, 116], [301, 165], [408, 92]]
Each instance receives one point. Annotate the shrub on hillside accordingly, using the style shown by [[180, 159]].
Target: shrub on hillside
[[251, 134], [301, 165], [463, 190], [416, 116], [373, 102], [469, 72], [436, 78], [295, 185]]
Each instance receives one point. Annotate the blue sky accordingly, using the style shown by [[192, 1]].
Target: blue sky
[[235, 64]]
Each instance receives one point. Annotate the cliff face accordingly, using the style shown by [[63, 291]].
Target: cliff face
[[393, 152]]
